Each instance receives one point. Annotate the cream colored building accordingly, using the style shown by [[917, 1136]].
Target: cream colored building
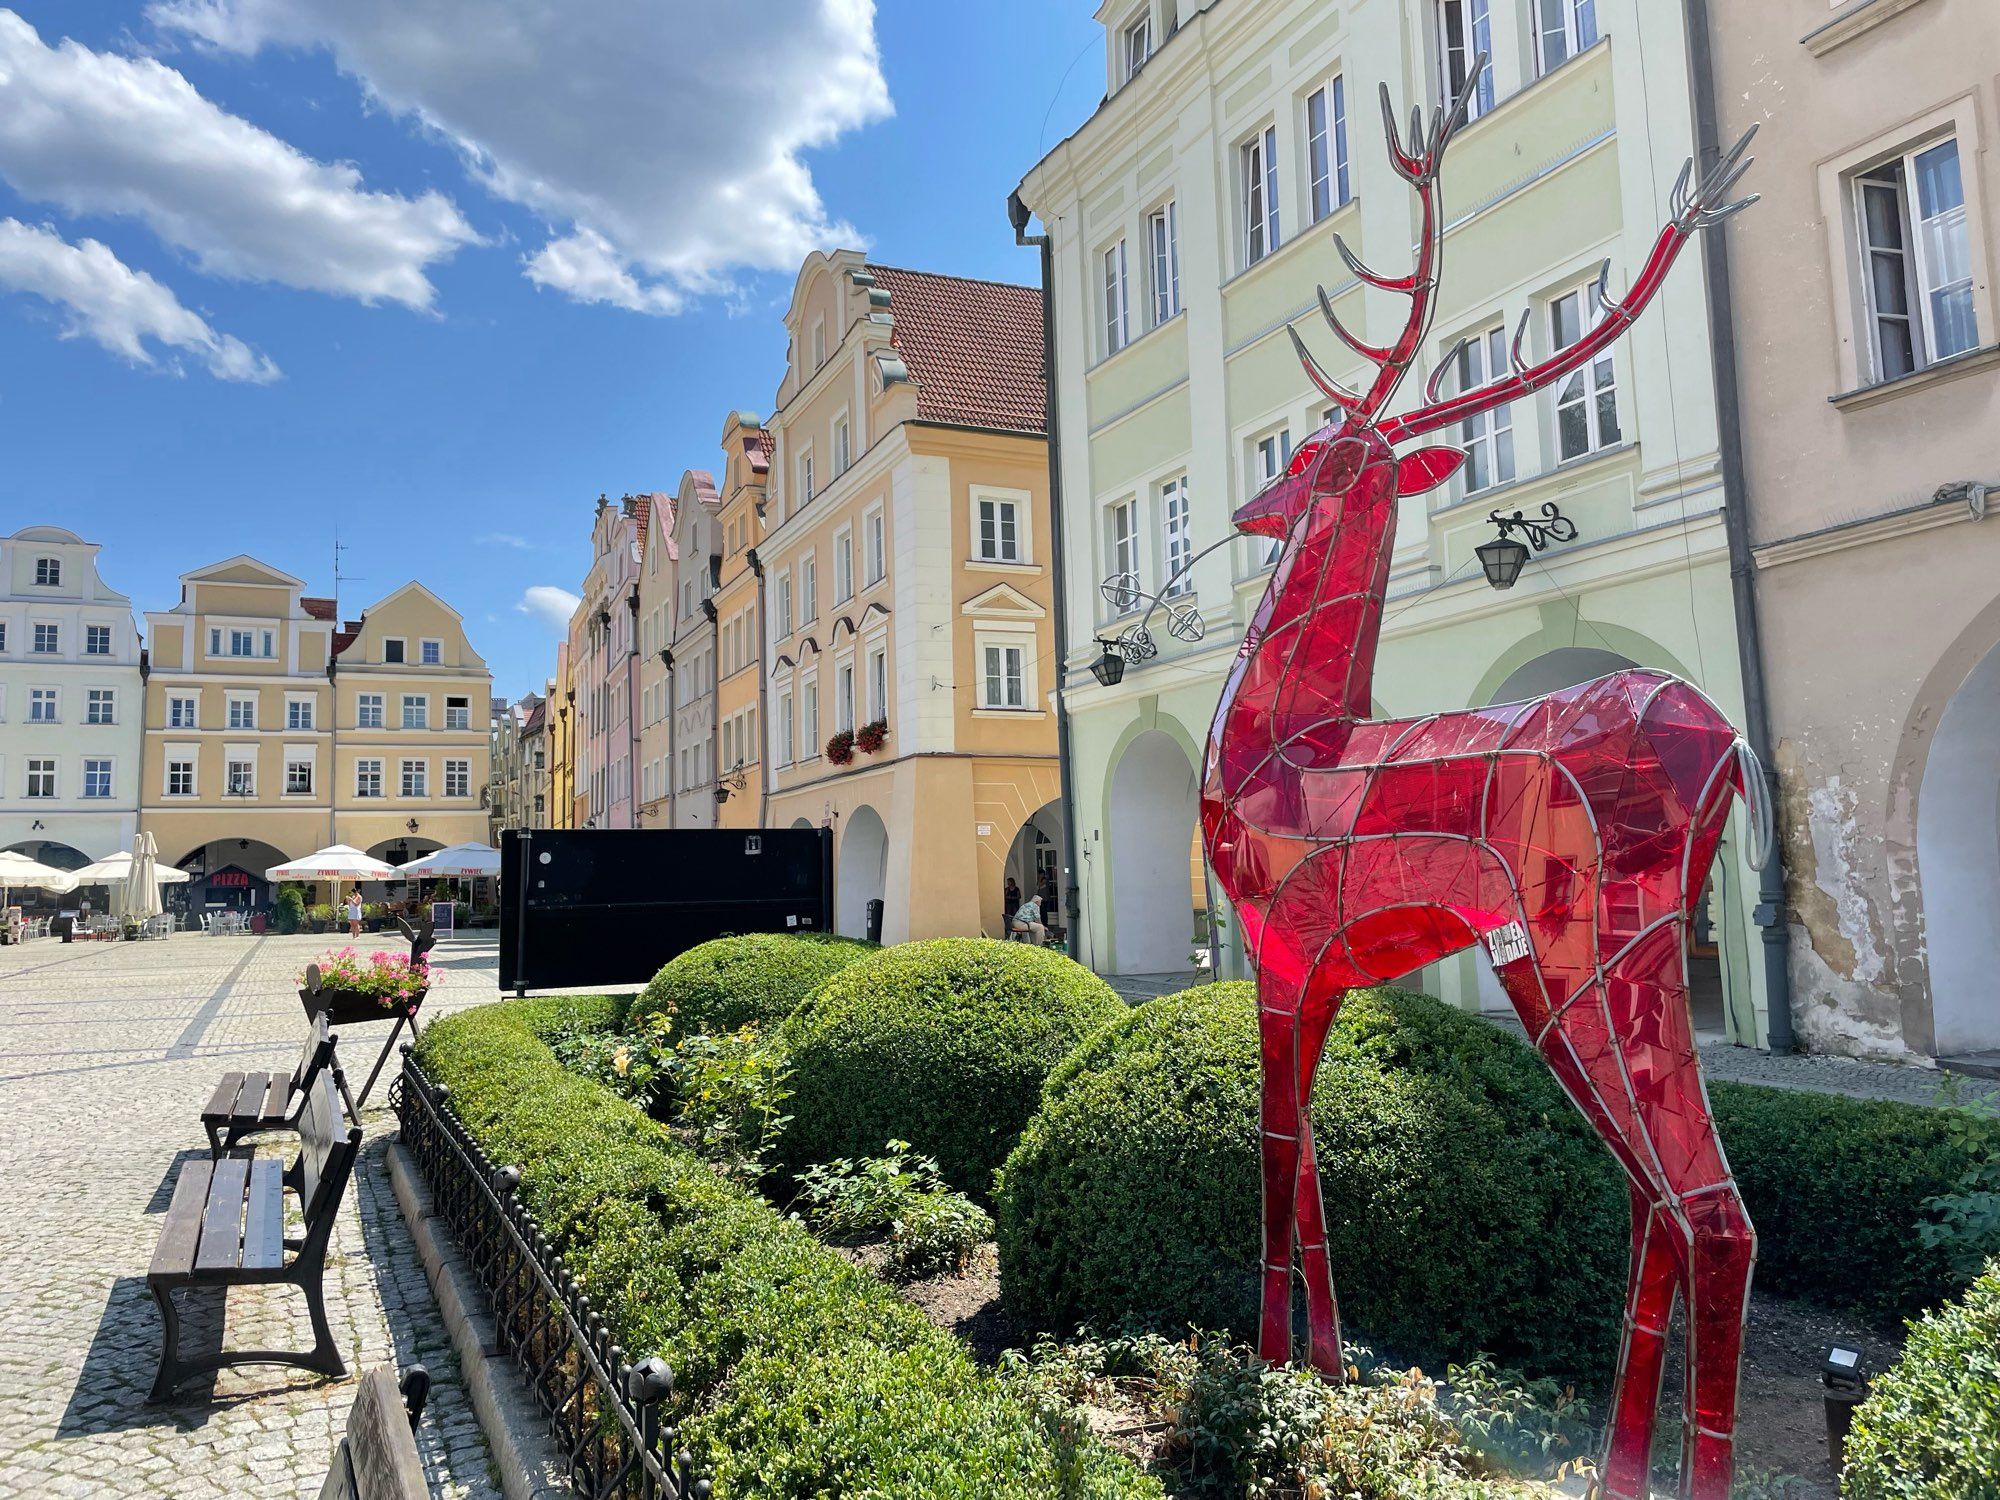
[[1192, 218], [692, 670], [658, 570], [906, 569], [1867, 341], [271, 731], [739, 606]]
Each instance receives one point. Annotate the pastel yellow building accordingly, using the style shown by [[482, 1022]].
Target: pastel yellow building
[[562, 742], [739, 708], [271, 731], [907, 586]]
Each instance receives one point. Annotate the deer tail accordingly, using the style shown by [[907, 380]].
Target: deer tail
[[1757, 809]]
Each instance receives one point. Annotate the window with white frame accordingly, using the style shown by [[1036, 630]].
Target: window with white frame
[[843, 565], [3, 635], [242, 711], [368, 711], [843, 453], [1563, 28], [1117, 303], [1257, 168], [100, 706], [1176, 535], [1465, 29], [1326, 147], [458, 713], [808, 588], [48, 572], [809, 719], [875, 556], [818, 342], [298, 713], [806, 477], [48, 640], [781, 594], [1135, 43], [1586, 403], [43, 704], [416, 711], [785, 735], [1003, 675], [1916, 260], [878, 682], [180, 776], [239, 775], [97, 640], [96, 778], [1163, 257], [392, 649], [1121, 538], [458, 778], [1488, 436], [430, 653], [999, 530], [41, 776], [1269, 457], [368, 777], [181, 711], [298, 774], [416, 778], [843, 696]]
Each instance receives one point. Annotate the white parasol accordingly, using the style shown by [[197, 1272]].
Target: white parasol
[[139, 896], [18, 870], [336, 862], [460, 861]]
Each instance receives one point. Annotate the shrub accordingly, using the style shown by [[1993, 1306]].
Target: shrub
[[930, 1229], [288, 912], [1837, 1188], [754, 980], [1469, 1207], [1931, 1425], [944, 1044], [796, 1374]]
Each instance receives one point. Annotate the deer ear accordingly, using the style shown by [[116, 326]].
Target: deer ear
[[1426, 469]]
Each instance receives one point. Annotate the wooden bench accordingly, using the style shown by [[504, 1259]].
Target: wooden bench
[[226, 1227], [377, 1458], [245, 1103]]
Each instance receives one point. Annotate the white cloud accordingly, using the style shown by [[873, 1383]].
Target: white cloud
[[662, 142], [549, 604], [505, 539], [117, 306], [95, 132]]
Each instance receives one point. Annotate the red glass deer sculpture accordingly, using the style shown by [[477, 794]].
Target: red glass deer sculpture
[[1570, 835]]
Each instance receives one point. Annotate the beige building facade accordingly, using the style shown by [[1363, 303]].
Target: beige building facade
[[658, 571], [1867, 344], [739, 629]]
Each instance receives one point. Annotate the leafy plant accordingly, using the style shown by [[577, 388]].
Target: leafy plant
[[1965, 1222], [391, 978], [757, 977], [728, 1092], [840, 747], [1537, 1425], [931, 1230], [871, 736], [632, 1066], [288, 911]]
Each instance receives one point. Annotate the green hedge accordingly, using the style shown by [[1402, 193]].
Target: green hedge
[[1930, 1428], [1470, 1209], [944, 1044], [796, 1373], [756, 979], [1836, 1186]]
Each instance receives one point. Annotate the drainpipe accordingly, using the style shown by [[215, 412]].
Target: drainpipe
[[1770, 914], [763, 692], [1018, 215], [632, 706]]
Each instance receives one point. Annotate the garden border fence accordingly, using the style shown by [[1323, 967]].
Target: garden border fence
[[603, 1412]]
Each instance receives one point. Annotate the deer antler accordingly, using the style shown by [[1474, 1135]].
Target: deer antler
[[1694, 210], [1417, 163]]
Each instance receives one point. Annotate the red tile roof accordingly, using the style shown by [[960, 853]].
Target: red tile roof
[[757, 447], [319, 609], [974, 348]]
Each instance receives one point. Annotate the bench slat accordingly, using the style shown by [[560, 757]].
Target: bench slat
[[222, 1224], [223, 1100], [380, 1443], [264, 1218], [276, 1098], [174, 1256], [251, 1101]]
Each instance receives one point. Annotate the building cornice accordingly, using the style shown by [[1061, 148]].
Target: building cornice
[[1909, 520]]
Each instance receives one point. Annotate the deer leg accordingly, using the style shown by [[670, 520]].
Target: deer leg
[[1278, 1143], [1322, 1307], [1657, 1272], [1725, 1251]]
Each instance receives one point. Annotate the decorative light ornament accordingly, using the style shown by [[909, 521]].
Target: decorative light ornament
[[1504, 557], [1109, 668], [1571, 836]]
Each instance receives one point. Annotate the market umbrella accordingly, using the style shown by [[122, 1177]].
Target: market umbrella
[[336, 862], [18, 869], [115, 869], [460, 861], [139, 896]]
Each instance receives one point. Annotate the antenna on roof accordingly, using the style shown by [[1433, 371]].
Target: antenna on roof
[[338, 576]]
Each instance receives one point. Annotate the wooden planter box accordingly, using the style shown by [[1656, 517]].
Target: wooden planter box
[[346, 1008]]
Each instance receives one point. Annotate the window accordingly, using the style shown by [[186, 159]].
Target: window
[[430, 653], [1587, 402], [808, 589], [242, 713], [42, 704], [999, 536], [1117, 307], [3, 635], [416, 778], [1176, 534], [392, 649], [239, 777], [299, 713], [843, 697], [819, 342], [1259, 168], [878, 683], [1136, 43], [809, 720], [1269, 456], [416, 711], [1326, 148], [41, 776], [298, 776], [458, 713], [1122, 538], [1563, 28], [100, 706], [181, 712], [784, 729], [1916, 260], [48, 572], [97, 640], [1163, 253], [843, 566], [842, 446], [96, 778], [1001, 685], [805, 477], [875, 559], [1466, 29], [180, 777], [268, 646], [458, 778], [48, 640], [368, 711], [368, 778], [1487, 437]]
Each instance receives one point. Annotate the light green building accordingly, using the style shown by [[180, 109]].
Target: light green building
[[1192, 218]]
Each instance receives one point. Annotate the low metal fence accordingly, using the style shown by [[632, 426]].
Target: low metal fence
[[603, 1412]]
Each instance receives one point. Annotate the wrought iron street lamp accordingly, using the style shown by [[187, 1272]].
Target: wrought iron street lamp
[[1109, 668], [1505, 556]]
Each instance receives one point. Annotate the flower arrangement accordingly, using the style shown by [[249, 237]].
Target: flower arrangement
[[872, 736], [840, 749], [389, 979]]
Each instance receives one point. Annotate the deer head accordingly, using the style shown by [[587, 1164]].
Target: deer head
[[1331, 465]]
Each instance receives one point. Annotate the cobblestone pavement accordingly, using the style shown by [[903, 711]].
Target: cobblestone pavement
[[107, 1053]]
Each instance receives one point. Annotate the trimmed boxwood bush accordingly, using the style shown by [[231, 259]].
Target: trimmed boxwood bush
[[796, 1373], [756, 979], [944, 1044], [1836, 1187], [1930, 1427], [1469, 1207]]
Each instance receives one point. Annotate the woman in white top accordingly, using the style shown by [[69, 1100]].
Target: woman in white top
[[354, 914]]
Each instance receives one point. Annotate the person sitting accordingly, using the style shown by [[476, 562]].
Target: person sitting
[[1027, 922]]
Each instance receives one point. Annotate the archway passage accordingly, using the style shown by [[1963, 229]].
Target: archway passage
[[1151, 860], [400, 851], [224, 875], [862, 870], [1036, 862], [57, 856], [1958, 865]]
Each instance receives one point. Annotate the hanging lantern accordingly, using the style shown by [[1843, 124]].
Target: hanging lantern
[[1109, 668], [1505, 556], [1502, 558]]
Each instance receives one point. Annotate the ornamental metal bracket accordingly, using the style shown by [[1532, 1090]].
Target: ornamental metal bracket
[[1552, 526]]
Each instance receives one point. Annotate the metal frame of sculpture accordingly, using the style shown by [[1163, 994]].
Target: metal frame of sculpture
[[1570, 835]]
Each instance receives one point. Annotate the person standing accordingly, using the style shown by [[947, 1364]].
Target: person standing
[[354, 914], [1009, 901]]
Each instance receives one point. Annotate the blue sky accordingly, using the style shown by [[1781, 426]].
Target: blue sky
[[361, 260]]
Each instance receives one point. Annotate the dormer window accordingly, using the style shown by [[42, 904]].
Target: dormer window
[[48, 572], [1136, 43]]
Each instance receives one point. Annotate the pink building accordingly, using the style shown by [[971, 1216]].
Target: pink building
[[603, 647]]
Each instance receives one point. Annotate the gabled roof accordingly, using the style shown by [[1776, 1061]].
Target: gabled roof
[[242, 568], [974, 348], [319, 609]]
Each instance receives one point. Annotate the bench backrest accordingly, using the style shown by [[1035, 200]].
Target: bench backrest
[[326, 1151], [316, 1054], [378, 1459]]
